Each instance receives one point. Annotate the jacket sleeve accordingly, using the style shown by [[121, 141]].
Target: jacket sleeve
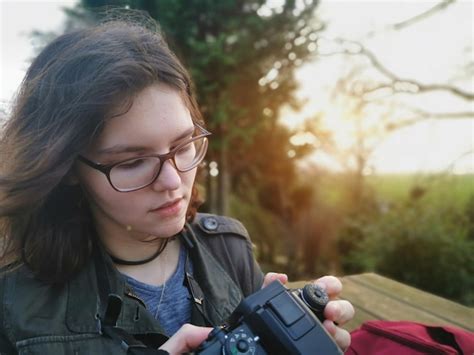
[[6, 348], [231, 245], [256, 271], [243, 267]]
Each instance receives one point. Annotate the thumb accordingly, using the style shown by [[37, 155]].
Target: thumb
[[187, 338], [272, 276]]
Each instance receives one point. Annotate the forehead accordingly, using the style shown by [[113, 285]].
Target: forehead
[[156, 115]]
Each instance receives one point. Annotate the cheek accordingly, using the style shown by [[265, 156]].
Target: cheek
[[108, 198], [187, 180], [102, 195], [109, 205]]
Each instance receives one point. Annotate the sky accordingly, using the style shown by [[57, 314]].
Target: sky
[[431, 51], [18, 19]]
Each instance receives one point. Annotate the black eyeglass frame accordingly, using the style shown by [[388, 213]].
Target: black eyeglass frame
[[106, 168]]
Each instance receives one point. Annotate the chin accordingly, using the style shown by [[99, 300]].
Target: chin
[[170, 228]]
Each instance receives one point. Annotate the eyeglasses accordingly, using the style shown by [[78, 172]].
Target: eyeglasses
[[136, 173]]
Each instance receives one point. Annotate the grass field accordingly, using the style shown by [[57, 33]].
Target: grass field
[[454, 190]]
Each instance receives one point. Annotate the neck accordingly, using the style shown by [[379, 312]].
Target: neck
[[146, 260], [128, 244], [158, 270]]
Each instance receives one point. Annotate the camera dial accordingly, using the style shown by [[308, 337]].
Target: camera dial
[[240, 343], [315, 297]]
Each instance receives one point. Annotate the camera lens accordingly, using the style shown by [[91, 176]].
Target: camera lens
[[315, 297]]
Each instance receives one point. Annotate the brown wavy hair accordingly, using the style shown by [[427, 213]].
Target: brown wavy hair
[[70, 89]]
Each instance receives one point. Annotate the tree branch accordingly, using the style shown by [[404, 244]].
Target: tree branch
[[410, 21], [412, 86], [420, 115], [423, 15], [460, 157], [396, 84]]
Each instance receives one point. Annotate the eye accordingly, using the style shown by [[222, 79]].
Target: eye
[[187, 147], [131, 164]]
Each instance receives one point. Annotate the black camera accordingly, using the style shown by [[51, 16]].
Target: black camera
[[274, 320]]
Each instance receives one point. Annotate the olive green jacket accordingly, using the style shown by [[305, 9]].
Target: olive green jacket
[[37, 318]]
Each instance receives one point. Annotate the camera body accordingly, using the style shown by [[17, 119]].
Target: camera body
[[274, 320]]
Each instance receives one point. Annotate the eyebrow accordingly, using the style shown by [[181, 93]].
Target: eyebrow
[[122, 148]]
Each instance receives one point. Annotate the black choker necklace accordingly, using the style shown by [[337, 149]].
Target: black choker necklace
[[141, 262]]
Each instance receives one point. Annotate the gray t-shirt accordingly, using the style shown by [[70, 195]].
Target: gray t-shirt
[[175, 307]]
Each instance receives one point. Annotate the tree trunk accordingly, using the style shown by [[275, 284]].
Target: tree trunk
[[212, 183], [223, 182]]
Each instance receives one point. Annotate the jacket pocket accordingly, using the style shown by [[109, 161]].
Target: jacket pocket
[[81, 344]]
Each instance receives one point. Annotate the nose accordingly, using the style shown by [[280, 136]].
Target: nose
[[168, 179]]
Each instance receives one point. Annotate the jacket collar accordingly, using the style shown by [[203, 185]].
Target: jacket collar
[[214, 292]]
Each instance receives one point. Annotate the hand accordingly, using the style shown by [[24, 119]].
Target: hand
[[337, 312], [186, 339], [272, 276]]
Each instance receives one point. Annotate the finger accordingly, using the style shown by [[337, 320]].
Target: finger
[[341, 336], [272, 276], [331, 284], [340, 311], [187, 338]]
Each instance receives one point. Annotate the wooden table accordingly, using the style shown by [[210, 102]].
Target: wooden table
[[377, 297]]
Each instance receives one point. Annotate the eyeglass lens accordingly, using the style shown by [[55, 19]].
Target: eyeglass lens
[[139, 172]]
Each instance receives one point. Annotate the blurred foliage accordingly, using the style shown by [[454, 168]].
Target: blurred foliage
[[416, 229], [418, 240]]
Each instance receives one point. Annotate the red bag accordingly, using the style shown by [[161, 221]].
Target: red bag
[[403, 338]]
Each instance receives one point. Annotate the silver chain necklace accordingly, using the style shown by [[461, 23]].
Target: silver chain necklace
[[164, 287]]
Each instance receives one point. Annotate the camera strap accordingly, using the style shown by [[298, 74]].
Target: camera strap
[[110, 308], [197, 295], [128, 342]]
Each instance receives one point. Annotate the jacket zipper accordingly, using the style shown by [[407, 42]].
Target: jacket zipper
[[131, 294]]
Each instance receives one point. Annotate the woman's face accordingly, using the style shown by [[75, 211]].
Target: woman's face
[[157, 121]]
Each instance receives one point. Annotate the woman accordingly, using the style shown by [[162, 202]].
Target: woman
[[98, 206]]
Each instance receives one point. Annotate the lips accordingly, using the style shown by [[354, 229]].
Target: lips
[[169, 209], [168, 204]]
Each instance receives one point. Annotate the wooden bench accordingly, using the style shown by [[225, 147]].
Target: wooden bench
[[377, 297]]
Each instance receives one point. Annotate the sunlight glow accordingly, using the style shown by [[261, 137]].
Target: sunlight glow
[[304, 138]]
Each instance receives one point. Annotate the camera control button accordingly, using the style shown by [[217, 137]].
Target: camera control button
[[243, 346], [286, 309]]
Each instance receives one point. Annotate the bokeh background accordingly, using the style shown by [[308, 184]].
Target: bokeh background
[[342, 130]]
